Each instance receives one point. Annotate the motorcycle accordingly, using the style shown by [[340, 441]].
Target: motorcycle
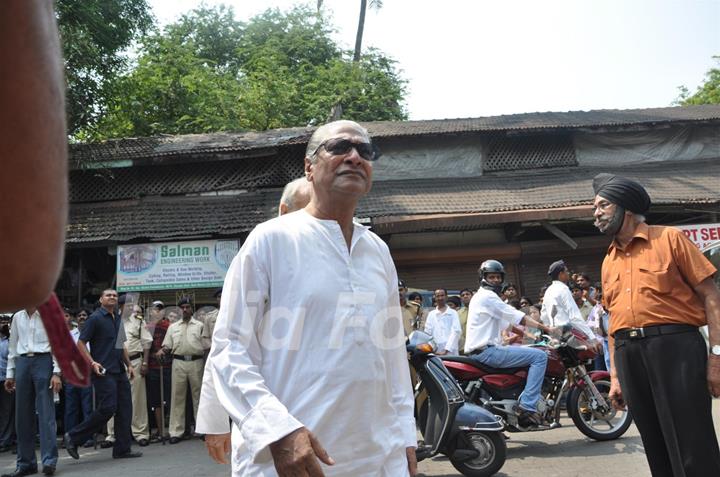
[[587, 403], [469, 435]]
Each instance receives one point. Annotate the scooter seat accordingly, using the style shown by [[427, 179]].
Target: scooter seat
[[484, 367]]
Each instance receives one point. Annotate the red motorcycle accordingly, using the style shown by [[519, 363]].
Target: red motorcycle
[[587, 403]]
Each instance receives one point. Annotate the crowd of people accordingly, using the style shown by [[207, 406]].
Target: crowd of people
[[290, 398], [163, 355], [446, 318]]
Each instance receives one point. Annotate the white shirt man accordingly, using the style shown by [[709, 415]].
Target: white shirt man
[[488, 316], [559, 308], [304, 298], [443, 324]]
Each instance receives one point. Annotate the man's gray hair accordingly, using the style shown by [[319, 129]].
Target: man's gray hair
[[323, 132], [291, 188]]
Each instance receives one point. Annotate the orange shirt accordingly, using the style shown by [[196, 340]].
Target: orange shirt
[[651, 281]]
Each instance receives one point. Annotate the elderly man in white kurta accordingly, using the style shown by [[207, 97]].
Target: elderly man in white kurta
[[308, 356]]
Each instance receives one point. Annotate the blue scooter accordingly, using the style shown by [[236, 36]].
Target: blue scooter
[[469, 435]]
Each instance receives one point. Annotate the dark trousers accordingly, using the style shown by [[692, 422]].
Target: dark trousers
[[112, 397], [78, 405], [33, 394], [7, 417], [664, 382]]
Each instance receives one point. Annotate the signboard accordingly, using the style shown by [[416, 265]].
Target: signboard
[[174, 265], [703, 235]]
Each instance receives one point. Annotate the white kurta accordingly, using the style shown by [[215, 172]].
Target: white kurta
[[559, 308], [445, 328], [309, 334]]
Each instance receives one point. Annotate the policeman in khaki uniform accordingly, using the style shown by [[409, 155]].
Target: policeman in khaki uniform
[[411, 311], [210, 319], [138, 345], [184, 345]]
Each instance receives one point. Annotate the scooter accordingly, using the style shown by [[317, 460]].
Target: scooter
[[469, 435]]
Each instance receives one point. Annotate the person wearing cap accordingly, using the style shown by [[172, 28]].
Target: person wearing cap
[[559, 307], [210, 319], [308, 293], [138, 345], [158, 326], [411, 311], [659, 289], [183, 342]]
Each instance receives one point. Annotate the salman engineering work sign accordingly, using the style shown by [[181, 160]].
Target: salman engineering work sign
[[166, 266]]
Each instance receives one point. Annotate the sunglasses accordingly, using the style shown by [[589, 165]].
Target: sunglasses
[[339, 146]]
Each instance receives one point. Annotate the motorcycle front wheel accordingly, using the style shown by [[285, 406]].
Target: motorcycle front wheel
[[492, 449], [596, 423]]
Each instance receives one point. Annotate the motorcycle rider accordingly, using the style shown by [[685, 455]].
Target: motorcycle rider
[[487, 317]]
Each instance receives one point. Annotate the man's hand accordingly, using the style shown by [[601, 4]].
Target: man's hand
[[441, 353], [615, 395], [130, 372], [55, 383], [218, 446], [713, 375], [412, 461], [10, 385], [297, 454], [97, 368], [160, 354], [143, 369]]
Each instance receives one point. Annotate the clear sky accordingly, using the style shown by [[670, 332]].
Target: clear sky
[[470, 58]]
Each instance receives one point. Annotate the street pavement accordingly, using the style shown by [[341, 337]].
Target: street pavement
[[562, 452]]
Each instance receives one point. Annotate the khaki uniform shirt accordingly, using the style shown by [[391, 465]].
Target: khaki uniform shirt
[[138, 337], [409, 313], [185, 338], [651, 281], [209, 325], [463, 316]]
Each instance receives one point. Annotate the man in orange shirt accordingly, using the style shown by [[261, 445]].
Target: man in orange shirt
[[658, 289]]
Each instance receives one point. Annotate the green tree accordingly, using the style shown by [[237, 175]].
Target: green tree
[[707, 93], [95, 36], [210, 72]]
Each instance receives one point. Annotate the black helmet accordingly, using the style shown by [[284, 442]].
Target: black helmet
[[491, 266]]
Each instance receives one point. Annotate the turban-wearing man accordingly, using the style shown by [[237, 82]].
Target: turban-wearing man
[[659, 289]]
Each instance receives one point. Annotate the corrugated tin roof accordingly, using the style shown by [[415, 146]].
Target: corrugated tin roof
[[192, 144], [694, 182]]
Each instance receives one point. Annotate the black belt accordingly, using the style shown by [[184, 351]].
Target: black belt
[[186, 357], [32, 355], [655, 330], [480, 350], [135, 356]]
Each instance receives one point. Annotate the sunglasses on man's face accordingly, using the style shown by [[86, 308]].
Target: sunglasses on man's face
[[340, 146]]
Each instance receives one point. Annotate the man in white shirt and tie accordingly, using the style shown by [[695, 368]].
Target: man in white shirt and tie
[[34, 376], [443, 324], [559, 307], [310, 293]]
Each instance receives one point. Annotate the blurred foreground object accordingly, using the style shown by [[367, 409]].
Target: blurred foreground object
[[33, 153]]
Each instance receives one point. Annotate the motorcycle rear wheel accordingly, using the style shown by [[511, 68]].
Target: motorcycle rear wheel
[[492, 448], [589, 421]]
